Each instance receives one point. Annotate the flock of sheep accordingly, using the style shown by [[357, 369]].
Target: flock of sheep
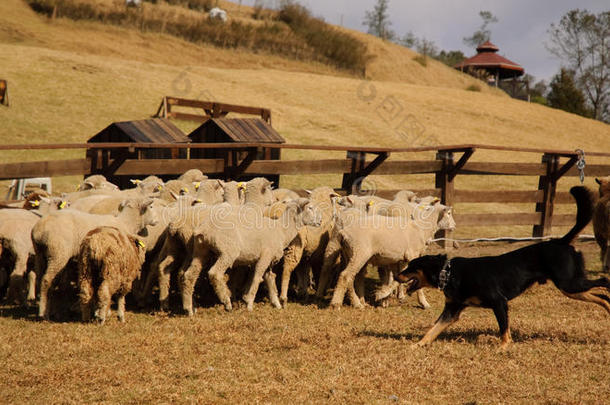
[[215, 240]]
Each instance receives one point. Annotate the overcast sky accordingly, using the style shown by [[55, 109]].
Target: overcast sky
[[520, 33]]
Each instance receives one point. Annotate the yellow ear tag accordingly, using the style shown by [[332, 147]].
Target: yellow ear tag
[[62, 205], [158, 188], [140, 243], [436, 200], [77, 187], [197, 185], [184, 190], [371, 203], [35, 203], [241, 185]]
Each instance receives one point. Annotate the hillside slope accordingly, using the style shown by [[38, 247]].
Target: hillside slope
[[389, 62], [69, 80]]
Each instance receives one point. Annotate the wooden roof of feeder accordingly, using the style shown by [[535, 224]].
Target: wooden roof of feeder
[[154, 130], [488, 59], [242, 130]]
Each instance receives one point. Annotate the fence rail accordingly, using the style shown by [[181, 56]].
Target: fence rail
[[360, 162]]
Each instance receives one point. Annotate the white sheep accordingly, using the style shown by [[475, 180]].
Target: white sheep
[[96, 182], [386, 241], [109, 261], [307, 249], [57, 238], [233, 240]]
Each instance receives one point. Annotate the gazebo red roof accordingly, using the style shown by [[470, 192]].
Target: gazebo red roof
[[488, 59]]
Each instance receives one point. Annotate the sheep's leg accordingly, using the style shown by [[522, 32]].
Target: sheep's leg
[[121, 308], [303, 275], [54, 267], [103, 304], [259, 270], [187, 284], [330, 259], [216, 275], [421, 298], [164, 277], [85, 294], [35, 276], [385, 288], [272, 289], [356, 290], [16, 280], [143, 294], [31, 294], [346, 278], [291, 261]]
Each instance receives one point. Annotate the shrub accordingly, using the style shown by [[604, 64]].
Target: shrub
[[422, 60], [297, 35]]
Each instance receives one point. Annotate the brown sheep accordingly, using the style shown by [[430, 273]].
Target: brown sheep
[[601, 221], [108, 262]]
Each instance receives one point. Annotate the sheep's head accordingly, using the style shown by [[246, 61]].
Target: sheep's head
[[445, 218], [259, 191], [140, 210], [211, 191], [604, 186], [308, 212]]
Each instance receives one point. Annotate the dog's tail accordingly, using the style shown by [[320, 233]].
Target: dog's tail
[[584, 212]]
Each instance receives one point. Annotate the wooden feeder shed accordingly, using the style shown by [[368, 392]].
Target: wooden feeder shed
[[237, 130], [155, 130]]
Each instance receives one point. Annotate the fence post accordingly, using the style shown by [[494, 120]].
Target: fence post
[[444, 182], [349, 179], [548, 184]]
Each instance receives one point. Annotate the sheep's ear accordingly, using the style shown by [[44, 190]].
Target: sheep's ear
[[148, 203], [350, 199], [268, 183], [598, 181], [35, 203], [435, 201], [174, 195], [135, 181], [335, 194], [218, 185], [308, 192], [302, 202], [45, 200]]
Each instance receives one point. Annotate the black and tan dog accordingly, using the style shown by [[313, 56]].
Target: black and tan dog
[[490, 282]]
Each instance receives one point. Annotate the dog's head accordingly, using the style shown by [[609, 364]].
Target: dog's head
[[422, 272]]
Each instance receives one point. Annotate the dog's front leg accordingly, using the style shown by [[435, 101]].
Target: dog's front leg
[[501, 312], [450, 315]]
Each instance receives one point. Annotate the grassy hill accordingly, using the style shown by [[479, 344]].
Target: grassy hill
[[68, 80]]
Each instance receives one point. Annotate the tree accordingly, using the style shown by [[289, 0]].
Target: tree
[[483, 34], [582, 41], [564, 94], [451, 58], [378, 20]]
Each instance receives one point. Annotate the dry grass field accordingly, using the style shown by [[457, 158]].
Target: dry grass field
[[68, 80], [306, 354]]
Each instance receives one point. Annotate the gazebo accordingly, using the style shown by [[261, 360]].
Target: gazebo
[[496, 67]]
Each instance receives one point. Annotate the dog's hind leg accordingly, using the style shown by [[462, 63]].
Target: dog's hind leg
[[599, 299], [501, 313], [580, 290], [451, 313]]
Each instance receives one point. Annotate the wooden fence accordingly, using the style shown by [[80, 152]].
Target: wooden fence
[[359, 163], [206, 109]]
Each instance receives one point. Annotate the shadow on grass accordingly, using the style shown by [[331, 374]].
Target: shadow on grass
[[484, 336], [29, 313]]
